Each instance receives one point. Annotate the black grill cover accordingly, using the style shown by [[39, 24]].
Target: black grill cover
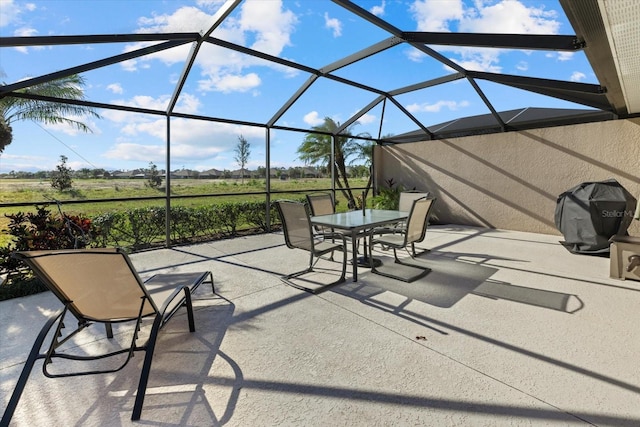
[[589, 214]]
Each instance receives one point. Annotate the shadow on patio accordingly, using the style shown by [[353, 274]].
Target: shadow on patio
[[508, 328]]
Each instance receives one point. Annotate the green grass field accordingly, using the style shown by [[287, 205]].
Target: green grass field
[[38, 191]]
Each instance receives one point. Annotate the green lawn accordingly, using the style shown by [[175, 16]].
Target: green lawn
[[34, 191]]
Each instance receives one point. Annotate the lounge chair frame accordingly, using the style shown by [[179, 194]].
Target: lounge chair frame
[[161, 307]]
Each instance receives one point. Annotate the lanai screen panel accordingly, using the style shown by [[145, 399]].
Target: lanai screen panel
[[246, 61]]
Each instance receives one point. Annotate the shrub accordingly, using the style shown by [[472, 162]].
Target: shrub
[[146, 224], [389, 196], [39, 231], [155, 180], [229, 214], [133, 229], [61, 179], [254, 215]]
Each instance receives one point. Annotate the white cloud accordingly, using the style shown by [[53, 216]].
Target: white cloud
[[129, 65], [333, 24], [187, 103], [144, 101], [415, 55], [133, 122], [367, 118], [436, 15], [183, 19], [13, 162], [115, 88], [565, 56], [190, 139], [73, 131], [26, 32], [270, 25], [378, 10], [477, 59], [435, 108], [522, 66], [9, 12], [313, 119], [509, 17], [261, 25], [136, 152], [577, 76], [230, 83], [211, 4], [167, 56], [503, 16]]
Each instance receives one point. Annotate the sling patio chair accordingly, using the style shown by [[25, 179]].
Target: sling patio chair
[[323, 204], [101, 286], [298, 234], [414, 232], [408, 197], [404, 204]]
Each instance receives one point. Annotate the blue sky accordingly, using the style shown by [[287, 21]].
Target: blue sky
[[225, 83]]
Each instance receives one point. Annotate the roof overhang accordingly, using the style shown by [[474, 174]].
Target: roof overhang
[[515, 120], [611, 33]]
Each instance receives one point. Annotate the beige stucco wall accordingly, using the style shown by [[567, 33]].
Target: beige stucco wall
[[512, 180]]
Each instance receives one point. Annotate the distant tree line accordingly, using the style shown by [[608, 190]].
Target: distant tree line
[[84, 173], [356, 171]]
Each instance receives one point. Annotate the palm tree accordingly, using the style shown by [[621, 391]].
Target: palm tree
[[13, 109], [316, 149], [365, 154]]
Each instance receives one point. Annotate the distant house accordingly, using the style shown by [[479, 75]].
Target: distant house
[[121, 174], [185, 173], [278, 173], [135, 173], [211, 174], [311, 173], [240, 173]]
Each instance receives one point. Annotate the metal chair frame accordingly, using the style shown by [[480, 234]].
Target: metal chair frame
[[161, 308], [414, 232], [298, 234]]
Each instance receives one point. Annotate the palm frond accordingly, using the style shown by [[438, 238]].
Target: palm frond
[[70, 88]]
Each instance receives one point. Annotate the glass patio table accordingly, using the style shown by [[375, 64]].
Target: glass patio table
[[356, 222]]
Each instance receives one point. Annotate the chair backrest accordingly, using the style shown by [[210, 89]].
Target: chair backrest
[[295, 224], [94, 284], [321, 204], [407, 198], [418, 219]]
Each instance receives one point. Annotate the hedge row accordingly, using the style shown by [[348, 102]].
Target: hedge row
[[140, 228], [132, 229]]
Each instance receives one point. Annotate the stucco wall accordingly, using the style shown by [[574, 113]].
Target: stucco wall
[[512, 180]]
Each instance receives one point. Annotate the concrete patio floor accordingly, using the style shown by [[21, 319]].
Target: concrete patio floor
[[508, 328]]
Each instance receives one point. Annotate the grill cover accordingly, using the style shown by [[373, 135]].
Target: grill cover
[[589, 214]]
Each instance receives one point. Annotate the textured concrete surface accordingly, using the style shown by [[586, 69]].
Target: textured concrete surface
[[511, 180], [509, 328]]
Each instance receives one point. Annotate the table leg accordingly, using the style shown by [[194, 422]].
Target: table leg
[[354, 261], [364, 260]]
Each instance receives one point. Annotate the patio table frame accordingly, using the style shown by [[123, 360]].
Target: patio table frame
[[357, 221]]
